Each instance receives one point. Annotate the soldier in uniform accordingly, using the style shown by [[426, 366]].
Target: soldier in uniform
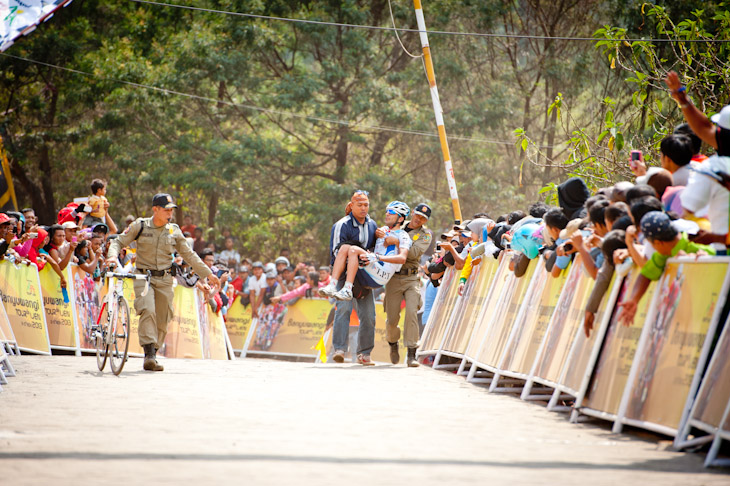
[[405, 285], [156, 239]]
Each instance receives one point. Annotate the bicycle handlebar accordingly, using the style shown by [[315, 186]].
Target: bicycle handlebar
[[132, 276]]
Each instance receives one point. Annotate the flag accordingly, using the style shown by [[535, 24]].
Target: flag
[[8, 202], [322, 346]]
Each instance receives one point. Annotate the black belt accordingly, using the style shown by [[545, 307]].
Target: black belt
[[407, 271], [156, 273]]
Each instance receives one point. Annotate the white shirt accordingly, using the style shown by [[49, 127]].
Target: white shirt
[[228, 255], [255, 286], [682, 175], [404, 241], [704, 191]]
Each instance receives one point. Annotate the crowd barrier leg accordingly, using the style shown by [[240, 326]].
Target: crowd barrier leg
[[452, 319]]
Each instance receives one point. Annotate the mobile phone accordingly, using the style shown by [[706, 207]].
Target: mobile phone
[[32, 236], [74, 239], [438, 246], [636, 155]]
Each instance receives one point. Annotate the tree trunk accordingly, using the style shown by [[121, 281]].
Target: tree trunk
[[212, 209]]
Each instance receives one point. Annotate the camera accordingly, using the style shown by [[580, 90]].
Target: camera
[[568, 246], [438, 246]]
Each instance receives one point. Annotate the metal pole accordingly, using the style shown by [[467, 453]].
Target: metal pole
[[437, 110]]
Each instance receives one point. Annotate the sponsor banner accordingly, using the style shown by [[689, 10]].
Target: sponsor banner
[[59, 315], [183, 338], [441, 311], [503, 316], [582, 351], [669, 357], [211, 329], [87, 297], [475, 291], [714, 394], [617, 353], [565, 323], [533, 322], [483, 317], [21, 295], [238, 322], [290, 330]]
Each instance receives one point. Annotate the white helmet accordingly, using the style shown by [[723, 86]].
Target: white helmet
[[399, 208]]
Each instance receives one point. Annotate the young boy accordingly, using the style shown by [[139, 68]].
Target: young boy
[[372, 270], [98, 202], [667, 243]]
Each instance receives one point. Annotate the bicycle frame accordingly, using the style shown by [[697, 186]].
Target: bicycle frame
[[116, 290]]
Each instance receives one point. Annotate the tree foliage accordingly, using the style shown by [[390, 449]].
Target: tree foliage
[[266, 127]]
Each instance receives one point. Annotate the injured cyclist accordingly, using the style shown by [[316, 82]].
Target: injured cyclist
[[372, 269]]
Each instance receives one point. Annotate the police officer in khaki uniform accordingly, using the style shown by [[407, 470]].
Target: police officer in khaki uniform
[[405, 285], [156, 239]]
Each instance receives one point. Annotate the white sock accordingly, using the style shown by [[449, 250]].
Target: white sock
[[348, 286]]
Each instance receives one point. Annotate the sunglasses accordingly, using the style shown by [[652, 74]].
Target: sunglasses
[[390, 211]]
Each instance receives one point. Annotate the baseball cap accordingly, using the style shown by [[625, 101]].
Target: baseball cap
[[163, 200], [4, 218], [656, 224], [257, 265], [271, 274], [282, 259], [722, 119], [70, 225], [423, 209], [100, 228]]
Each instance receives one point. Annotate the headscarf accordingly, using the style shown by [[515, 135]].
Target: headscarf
[[36, 245]]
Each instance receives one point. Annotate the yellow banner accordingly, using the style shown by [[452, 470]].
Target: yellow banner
[[475, 292], [211, 330], [490, 298], [238, 322], [183, 332], [530, 328], [86, 296], [441, 311], [21, 294], [59, 315], [667, 364], [564, 325], [715, 392], [292, 329], [575, 369], [619, 347], [504, 315]]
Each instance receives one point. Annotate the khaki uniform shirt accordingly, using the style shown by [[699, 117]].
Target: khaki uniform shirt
[[155, 246], [421, 241]]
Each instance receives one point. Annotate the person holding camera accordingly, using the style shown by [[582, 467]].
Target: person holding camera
[[405, 285], [157, 240]]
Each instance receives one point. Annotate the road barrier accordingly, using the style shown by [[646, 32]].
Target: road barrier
[[525, 335]]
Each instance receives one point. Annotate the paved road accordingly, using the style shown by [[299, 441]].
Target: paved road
[[271, 422]]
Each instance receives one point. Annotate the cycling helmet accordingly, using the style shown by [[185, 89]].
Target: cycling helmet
[[399, 208]]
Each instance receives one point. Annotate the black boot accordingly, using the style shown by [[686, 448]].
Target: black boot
[[150, 361], [394, 354], [411, 360]]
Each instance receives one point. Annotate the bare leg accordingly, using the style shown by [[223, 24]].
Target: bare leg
[[353, 262], [340, 262]]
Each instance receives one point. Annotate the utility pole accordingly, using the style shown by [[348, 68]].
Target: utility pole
[[438, 112]]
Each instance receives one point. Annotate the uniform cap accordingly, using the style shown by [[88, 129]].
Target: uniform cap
[[423, 209], [163, 200]]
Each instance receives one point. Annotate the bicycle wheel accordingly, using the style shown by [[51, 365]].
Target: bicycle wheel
[[120, 343], [102, 348]]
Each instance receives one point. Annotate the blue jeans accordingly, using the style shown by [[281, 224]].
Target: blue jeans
[[365, 309], [429, 299]]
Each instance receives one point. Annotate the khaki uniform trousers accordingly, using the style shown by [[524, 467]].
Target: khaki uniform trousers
[[399, 288], [154, 309]]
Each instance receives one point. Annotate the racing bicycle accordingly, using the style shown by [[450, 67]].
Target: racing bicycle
[[112, 337]]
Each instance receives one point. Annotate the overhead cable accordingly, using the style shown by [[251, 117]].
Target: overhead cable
[[347, 123], [429, 32]]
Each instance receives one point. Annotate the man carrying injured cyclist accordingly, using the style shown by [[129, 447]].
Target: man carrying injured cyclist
[[373, 269]]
